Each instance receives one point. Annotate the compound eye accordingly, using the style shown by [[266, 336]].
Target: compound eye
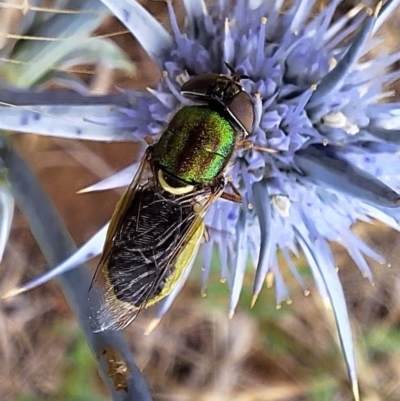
[[199, 86], [242, 110]]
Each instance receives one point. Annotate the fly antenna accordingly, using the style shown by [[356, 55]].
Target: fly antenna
[[235, 75]]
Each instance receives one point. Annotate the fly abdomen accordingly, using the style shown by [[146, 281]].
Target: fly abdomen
[[147, 237]]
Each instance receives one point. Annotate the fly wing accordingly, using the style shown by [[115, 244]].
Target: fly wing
[[142, 254], [119, 213], [105, 310], [150, 247]]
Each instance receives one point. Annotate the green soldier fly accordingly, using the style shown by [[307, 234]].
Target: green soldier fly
[[157, 227]]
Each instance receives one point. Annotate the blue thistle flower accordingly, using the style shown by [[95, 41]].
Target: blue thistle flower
[[316, 103]]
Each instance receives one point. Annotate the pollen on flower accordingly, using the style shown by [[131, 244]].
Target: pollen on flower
[[253, 301], [282, 204], [269, 279], [332, 63], [339, 120]]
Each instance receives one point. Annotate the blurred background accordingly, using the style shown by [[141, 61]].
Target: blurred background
[[196, 353]]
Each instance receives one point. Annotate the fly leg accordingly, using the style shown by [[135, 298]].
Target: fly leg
[[149, 140], [233, 197], [206, 234], [250, 145]]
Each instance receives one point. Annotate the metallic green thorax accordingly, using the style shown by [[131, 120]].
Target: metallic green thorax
[[196, 146]]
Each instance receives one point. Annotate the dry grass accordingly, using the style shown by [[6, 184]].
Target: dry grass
[[196, 353]]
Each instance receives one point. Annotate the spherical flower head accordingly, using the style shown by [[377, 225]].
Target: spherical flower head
[[316, 104]]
